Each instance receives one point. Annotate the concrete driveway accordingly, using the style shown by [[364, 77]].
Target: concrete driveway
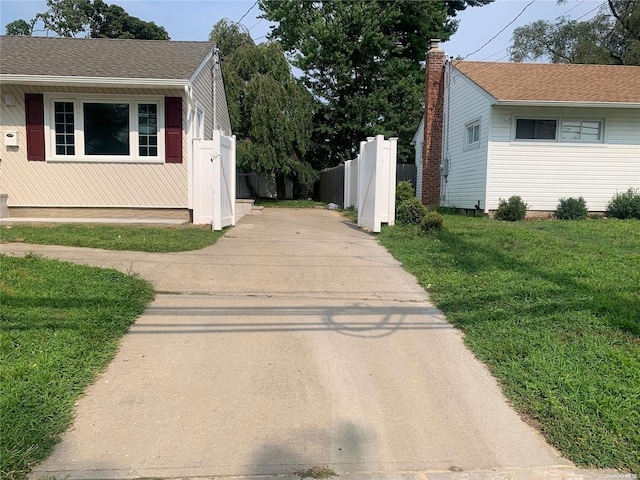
[[295, 341]]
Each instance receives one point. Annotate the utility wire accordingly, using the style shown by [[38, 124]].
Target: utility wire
[[575, 6], [502, 50], [592, 10], [558, 17], [247, 12], [505, 27], [256, 24]]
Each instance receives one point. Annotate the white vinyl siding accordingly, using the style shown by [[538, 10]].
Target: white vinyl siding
[[467, 164], [472, 138], [542, 172], [202, 91], [418, 140], [87, 184]]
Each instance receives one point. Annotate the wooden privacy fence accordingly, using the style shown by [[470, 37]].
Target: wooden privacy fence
[[408, 172], [331, 186]]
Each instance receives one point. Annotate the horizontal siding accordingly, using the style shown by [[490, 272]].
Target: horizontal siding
[[418, 139], [86, 184], [543, 172], [466, 182], [202, 93]]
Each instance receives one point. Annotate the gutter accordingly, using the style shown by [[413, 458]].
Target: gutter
[[92, 81], [538, 103]]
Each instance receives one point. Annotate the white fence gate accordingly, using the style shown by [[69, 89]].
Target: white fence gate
[[370, 182], [214, 181]]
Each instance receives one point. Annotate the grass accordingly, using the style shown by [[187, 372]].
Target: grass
[[290, 203], [113, 237], [553, 307], [60, 326], [317, 472]]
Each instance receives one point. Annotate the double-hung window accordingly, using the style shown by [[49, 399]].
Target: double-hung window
[[472, 134], [102, 129]]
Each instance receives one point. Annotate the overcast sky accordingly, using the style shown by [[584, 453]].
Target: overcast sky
[[193, 19]]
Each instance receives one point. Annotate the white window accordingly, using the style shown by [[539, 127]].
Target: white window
[[104, 129], [571, 130], [536, 129], [581, 130], [472, 134]]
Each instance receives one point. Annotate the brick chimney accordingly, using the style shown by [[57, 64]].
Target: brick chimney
[[433, 125]]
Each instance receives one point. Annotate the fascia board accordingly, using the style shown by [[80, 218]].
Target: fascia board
[[538, 103], [91, 81]]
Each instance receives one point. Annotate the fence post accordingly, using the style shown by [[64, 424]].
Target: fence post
[[216, 194], [393, 165]]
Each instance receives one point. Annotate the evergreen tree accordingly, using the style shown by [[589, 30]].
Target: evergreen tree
[[362, 61]]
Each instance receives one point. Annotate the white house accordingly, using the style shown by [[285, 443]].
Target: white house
[[541, 131], [104, 127], [418, 143]]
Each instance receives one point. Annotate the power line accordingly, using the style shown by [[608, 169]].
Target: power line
[[247, 12], [592, 10], [503, 29], [502, 50], [256, 24], [562, 15]]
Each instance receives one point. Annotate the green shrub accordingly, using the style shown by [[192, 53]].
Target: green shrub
[[625, 205], [404, 192], [511, 210], [451, 211], [431, 221], [410, 212], [571, 209]]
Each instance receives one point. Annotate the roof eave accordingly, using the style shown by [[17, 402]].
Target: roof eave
[[548, 103], [58, 80]]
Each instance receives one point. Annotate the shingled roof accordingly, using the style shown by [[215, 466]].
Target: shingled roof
[[539, 82], [101, 57]]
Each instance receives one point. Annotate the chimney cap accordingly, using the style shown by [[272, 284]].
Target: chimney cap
[[434, 44]]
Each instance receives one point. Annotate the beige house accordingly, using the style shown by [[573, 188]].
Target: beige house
[[541, 131], [104, 127]]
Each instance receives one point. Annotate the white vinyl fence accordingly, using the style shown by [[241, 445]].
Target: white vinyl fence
[[214, 194], [370, 182]]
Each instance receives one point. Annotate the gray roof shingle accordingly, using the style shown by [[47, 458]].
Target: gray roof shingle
[[101, 57]]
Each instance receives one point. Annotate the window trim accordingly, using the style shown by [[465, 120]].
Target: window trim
[[78, 101], [582, 120], [536, 140], [559, 122], [469, 125]]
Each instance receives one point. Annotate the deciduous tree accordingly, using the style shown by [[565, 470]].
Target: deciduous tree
[[94, 18], [612, 36], [270, 110]]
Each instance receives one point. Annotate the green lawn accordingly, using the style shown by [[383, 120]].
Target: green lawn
[[60, 326], [554, 309], [114, 237]]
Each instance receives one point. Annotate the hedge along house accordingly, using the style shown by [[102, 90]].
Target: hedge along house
[[541, 131], [104, 127]]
